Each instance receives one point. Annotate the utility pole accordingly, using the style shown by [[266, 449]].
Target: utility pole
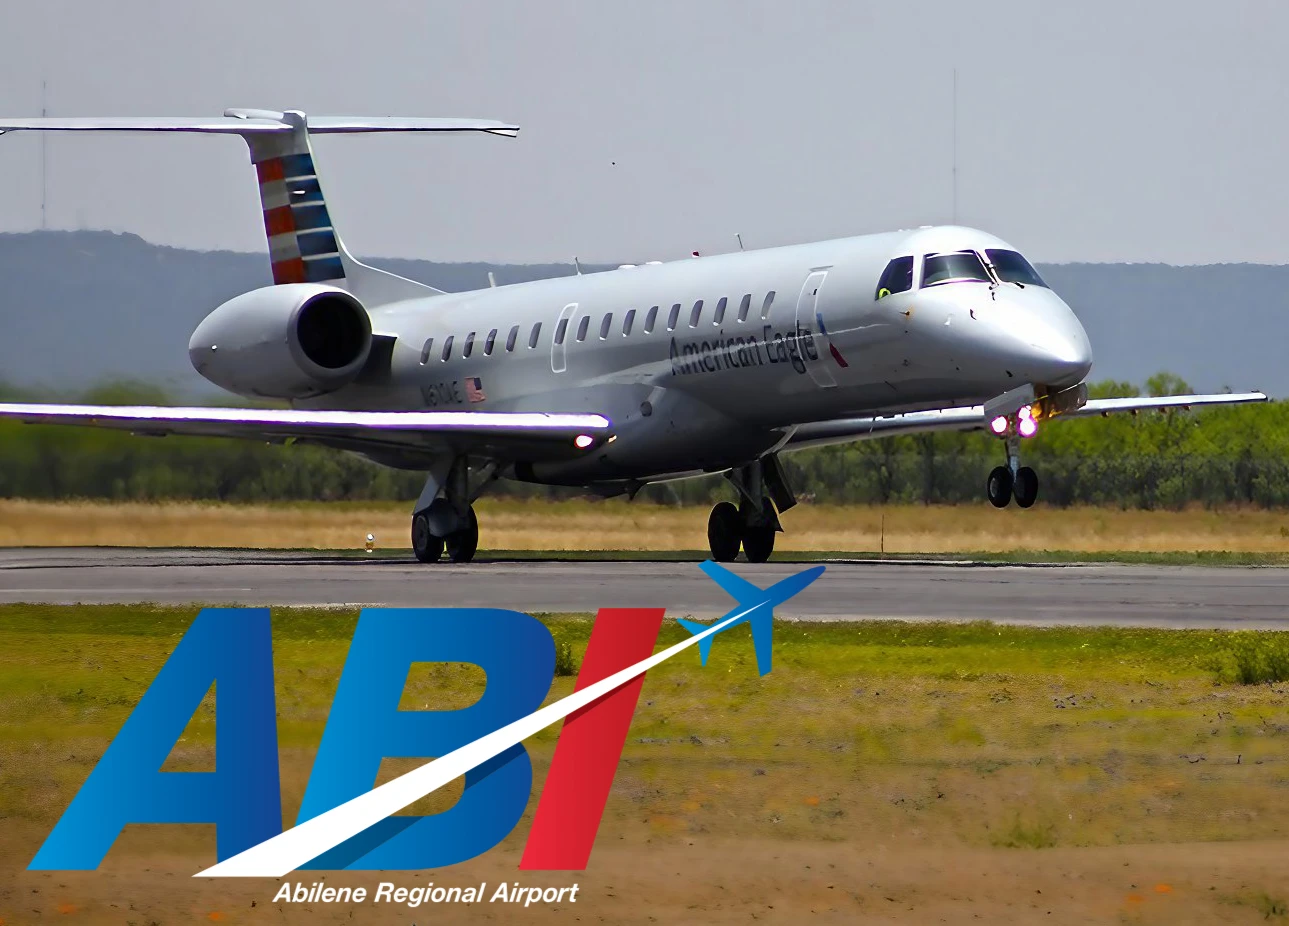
[[955, 146], [44, 159]]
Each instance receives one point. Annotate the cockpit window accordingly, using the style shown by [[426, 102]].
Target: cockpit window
[[896, 278], [954, 267], [1012, 267]]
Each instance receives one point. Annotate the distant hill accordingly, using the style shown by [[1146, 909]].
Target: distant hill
[[79, 307]]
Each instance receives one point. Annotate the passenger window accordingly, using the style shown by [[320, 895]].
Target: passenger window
[[537, 333], [628, 322], [896, 278], [582, 326], [673, 317], [744, 306], [561, 330], [490, 343], [469, 345], [512, 338], [425, 351], [695, 314], [765, 306], [651, 319], [605, 326], [955, 267], [447, 348], [720, 311]]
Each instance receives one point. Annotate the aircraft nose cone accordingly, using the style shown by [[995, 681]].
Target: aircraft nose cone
[[1063, 356]]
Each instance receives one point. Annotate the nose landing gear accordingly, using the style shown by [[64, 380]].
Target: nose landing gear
[[1013, 481]]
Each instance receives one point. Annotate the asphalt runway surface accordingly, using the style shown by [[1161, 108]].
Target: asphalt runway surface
[[1129, 595]]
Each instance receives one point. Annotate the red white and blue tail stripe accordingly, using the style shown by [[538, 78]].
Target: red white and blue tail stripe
[[302, 242]]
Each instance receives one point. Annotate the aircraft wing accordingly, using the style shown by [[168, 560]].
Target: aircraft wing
[[972, 418], [502, 435]]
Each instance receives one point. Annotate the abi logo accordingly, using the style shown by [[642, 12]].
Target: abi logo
[[345, 823]]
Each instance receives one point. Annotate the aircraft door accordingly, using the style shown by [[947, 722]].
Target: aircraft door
[[559, 338], [812, 333]]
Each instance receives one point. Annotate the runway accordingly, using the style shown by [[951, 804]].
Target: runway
[[1128, 595]]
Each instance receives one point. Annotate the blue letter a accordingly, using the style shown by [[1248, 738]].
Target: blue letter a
[[233, 646]]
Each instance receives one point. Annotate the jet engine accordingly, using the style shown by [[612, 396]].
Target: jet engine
[[289, 341]]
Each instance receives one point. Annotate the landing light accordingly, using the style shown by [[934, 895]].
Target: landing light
[[999, 424], [1028, 427], [582, 441]]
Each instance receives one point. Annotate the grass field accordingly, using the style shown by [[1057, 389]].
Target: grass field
[[882, 772], [623, 526]]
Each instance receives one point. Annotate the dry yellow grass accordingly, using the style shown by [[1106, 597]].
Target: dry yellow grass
[[619, 525]]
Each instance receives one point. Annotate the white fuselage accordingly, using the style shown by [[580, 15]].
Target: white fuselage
[[741, 347]]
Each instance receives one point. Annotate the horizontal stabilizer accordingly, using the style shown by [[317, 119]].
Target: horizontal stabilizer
[[705, 644], [263, 123]]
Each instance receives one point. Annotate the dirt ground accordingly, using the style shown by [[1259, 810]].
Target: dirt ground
[[697, 879]]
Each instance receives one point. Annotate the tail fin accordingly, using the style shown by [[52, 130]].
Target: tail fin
[[304, 246], [705, 644], [303, 243]]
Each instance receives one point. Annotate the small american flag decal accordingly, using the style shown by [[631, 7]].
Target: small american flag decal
[[474, 389]]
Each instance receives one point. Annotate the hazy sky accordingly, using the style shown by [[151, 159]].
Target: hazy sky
[[1099, 131]]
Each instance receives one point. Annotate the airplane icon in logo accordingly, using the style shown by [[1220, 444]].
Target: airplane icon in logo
[[756, 607]]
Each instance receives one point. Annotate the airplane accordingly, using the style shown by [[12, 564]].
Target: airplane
[[613, 380], [756, 608]]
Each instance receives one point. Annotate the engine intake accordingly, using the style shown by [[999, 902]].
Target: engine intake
[[289, 342]]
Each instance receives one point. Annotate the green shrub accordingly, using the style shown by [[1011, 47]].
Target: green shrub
[[1255, 657], [565, 661]]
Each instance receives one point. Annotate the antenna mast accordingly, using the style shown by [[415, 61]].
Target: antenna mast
[[955, 146], [44, 159]]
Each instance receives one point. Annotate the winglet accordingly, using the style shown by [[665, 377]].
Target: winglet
[[705, 644]]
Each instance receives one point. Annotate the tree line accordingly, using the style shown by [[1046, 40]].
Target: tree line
[[1218, 456]]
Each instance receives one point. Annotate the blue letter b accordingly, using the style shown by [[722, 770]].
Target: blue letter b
[[518, 656]]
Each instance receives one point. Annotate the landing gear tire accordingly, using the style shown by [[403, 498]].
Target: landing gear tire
[[1025, 491], [426, 547], [462, 545], [758, 532], [724, 532], [999, 487], [758, 543]]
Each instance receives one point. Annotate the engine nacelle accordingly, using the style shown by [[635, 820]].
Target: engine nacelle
[[287, 342]]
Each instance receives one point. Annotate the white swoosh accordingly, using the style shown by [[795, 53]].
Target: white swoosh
[[284, 853]]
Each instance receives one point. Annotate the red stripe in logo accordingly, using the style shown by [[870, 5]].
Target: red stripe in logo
[[590, 744]]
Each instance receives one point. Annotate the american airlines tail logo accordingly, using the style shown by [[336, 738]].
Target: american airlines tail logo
[[345, 823]]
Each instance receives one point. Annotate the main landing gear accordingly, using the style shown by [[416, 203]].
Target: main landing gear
[[752, 524], [1012, 481], [445, 520]]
